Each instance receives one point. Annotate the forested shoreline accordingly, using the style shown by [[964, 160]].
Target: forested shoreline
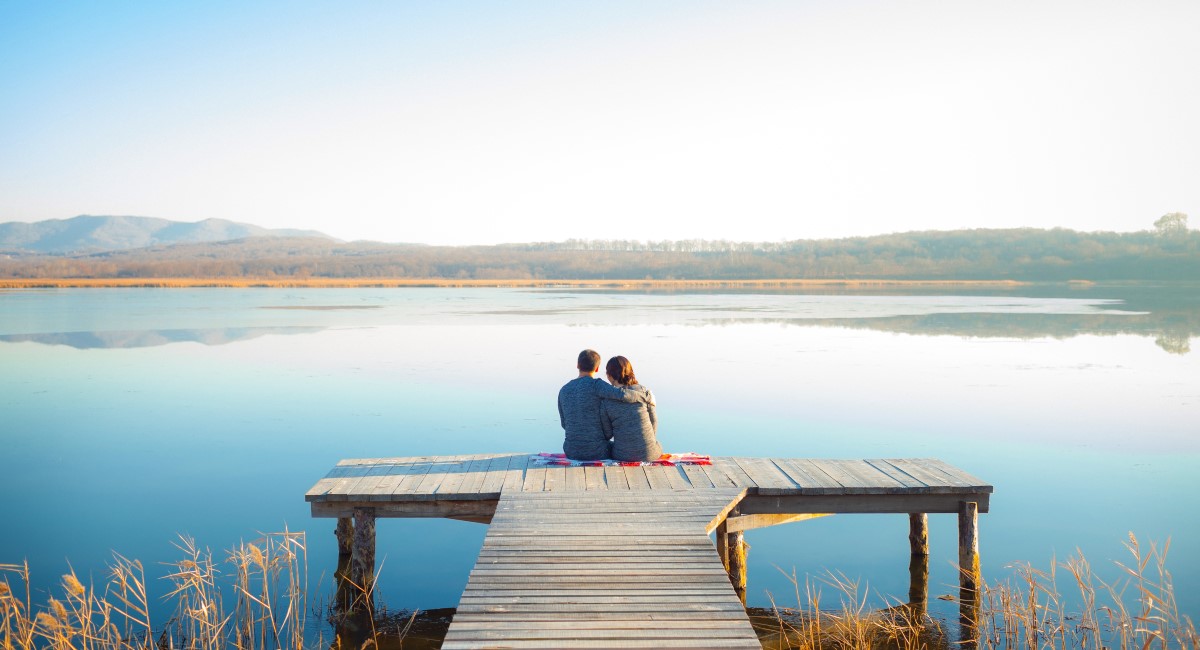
[[1163, 254]]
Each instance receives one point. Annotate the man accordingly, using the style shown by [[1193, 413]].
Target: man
[[579, 410]]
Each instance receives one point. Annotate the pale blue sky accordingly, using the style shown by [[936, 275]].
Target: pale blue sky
[[471, 122]]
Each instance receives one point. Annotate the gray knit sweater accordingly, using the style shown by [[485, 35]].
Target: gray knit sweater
[[579, 413], [632, 426]]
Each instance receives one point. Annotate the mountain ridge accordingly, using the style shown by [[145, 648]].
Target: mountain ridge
[[104, 233]]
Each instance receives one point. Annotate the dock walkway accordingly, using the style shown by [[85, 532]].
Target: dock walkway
[[621, 556]]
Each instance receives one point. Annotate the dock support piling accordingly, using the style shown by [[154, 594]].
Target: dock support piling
[[969, 577], [362, 555], [737, 563], [345, 535], [918, 565]]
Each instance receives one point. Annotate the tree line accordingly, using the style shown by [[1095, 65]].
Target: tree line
[[1169, 252]]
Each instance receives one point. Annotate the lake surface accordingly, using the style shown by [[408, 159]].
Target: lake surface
[[131, 416]]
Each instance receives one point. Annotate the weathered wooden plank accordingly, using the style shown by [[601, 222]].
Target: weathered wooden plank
[[535, 479], [807, 475], [514, 476], [766, 475], [634, 580], [477, 473], [578, 609], [412, 478], [956, 474], [676, 478], [496, 471], [731, 467], [935, 479], [720, 477], [457, 473], [897, 475], [597, 557], [626, 584], [697, 476], [337, 481], [633, 643], [605, 639], [556, 479], [575, 479], [656, 475], [615, 477], [390, 480], [635, 475], [866, 476], [473, 600], [607, 616], [593, 478], [599, 624], [583, 570], [365, 485]]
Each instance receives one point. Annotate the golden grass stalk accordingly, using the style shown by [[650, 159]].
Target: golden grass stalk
[[1137, 610], [268, 576], [851, 626]]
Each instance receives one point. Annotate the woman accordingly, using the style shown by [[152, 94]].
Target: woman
[[631, 425]]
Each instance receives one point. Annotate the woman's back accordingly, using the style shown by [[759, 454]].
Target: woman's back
[[632, 426]]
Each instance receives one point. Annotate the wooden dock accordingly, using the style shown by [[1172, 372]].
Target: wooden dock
[[594, 557]]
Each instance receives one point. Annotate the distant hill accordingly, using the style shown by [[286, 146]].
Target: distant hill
[[91, 234]]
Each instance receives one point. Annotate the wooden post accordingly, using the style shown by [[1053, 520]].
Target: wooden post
[[345, 535], [918, 534], [737, 563], [723, 544], [362, 553], [968, 569], [918, 565]]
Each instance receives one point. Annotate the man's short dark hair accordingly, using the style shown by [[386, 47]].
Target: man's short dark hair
[[589, 361]]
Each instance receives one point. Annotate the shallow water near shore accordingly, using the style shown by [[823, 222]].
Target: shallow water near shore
[[133, 415]]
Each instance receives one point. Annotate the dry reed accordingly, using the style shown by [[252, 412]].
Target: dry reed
[[1137, 610], [268, 579], [852, 625]]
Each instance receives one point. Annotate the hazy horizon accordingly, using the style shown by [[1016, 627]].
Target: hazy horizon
[[475, 123], [335, 236]]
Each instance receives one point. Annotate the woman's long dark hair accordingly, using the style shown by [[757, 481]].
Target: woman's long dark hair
[[621, 371]]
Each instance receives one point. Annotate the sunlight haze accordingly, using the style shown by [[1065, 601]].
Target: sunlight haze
[[480, 123]]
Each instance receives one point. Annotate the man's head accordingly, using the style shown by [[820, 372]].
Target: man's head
[[589, 361]]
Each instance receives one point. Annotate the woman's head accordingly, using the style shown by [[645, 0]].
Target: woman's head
[[620, 371]]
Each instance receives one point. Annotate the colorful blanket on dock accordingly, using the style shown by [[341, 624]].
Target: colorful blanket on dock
[[546, 459]]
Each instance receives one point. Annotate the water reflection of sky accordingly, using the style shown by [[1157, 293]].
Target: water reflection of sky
[[1082, 436]]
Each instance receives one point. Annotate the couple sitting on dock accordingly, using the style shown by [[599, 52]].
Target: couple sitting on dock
[[605, 421]]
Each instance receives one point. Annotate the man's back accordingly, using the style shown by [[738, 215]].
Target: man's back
[[579, 413]]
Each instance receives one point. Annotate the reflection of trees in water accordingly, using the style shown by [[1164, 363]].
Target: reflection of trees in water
[[1174, 342], [1172, 332], [153, 338]]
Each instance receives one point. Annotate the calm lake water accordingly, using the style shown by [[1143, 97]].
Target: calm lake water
[[129, 417]]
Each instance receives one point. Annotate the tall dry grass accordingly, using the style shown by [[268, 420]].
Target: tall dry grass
[[1136, 609], [267, 579], [852, 624], [1064, 606]]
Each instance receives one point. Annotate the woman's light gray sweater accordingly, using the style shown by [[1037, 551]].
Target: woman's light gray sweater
[[632, 426]]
